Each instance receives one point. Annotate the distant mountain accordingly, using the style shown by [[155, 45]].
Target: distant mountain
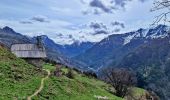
[[151, 61], [145, 51], [110, 51], [56, 52], [8, 37], [68, 50], [75, 49]]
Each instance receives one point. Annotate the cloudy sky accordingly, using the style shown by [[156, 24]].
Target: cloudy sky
[[66, 21]]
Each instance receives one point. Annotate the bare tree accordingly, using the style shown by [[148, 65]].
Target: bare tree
[[120, 79], [161, 5]]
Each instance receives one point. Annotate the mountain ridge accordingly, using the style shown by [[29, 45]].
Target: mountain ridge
[[8, 37], [69, 50], [112, 49]]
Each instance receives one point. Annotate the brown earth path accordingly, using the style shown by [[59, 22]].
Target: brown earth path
[[41, 85]]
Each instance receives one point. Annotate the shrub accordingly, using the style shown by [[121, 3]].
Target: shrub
[[90, 74], [70, 74], [50, 61]]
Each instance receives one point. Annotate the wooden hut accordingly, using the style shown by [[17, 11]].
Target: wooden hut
[[33, 53]]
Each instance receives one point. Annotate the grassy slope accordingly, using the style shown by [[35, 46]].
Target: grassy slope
[[18, 79], [80, 88]]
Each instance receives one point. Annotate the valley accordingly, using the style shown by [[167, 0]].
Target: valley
[[84, 50], [115, 51]]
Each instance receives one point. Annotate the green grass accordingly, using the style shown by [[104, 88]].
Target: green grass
[[137, 92], [49, 67], [79, 88], [18, 79], [67, 89]]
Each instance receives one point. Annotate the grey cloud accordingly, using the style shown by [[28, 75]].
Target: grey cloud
[[41, 19], [120, 3], [70, 36], [59, 35], [113, 5], [85, 12], [143, 0], [96, 25], [98, 28], [94, 11], [25, 22], [116, 30], [82, 37], [101, 28], [100, 32], [100, 4], [116, 23]]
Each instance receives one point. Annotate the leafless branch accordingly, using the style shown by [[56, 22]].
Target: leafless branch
[[160, 5]]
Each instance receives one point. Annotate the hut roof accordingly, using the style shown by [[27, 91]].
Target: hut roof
[[28, 51]]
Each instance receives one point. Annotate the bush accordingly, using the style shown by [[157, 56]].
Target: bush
[[90, 74], [77, 70], [70, 74], [50, 61]]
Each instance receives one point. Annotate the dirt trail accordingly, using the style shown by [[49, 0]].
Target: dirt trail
[[41, 86]]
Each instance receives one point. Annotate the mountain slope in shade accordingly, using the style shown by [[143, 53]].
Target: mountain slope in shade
[[8, 36], [75, 49], [62, 53], [68, 50], [112, 49], [152, 63]]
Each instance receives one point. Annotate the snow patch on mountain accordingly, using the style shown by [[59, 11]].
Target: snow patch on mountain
[[128, 39], [154, 36], [144, 33], [160, 31]]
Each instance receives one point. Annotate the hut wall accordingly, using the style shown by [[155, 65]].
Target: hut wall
[[30, 54], [28, 51], [35, 62]]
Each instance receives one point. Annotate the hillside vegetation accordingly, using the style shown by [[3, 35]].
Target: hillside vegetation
[[82, 87], [151, 62], [18, 79]]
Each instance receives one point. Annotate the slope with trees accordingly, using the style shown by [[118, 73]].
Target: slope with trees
[[151, 62]]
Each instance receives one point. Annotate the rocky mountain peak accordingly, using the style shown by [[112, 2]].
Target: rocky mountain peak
[[8, 29], [159, 31]]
